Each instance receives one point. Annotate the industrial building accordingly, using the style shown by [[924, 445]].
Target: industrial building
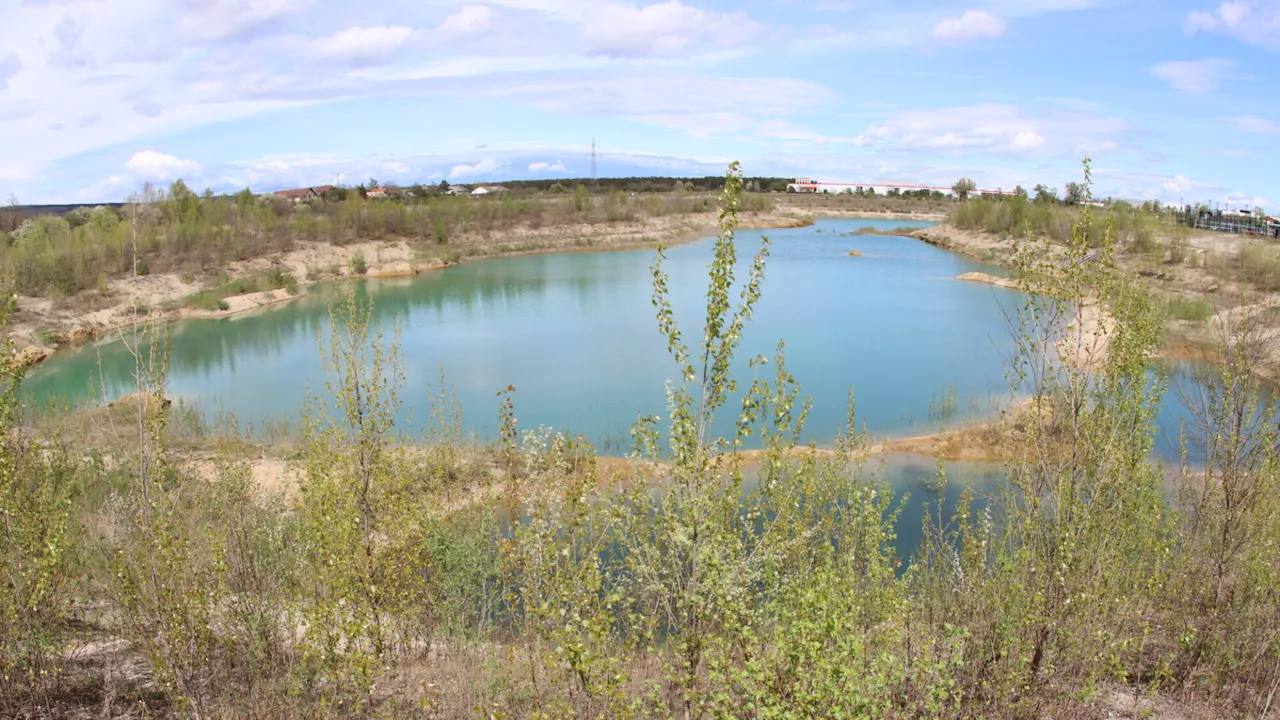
[[808, 185]]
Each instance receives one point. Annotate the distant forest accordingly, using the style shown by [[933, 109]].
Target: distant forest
[[11, 216], [650, 184]]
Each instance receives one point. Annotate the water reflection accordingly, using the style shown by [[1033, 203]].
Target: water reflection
[[576, 335]]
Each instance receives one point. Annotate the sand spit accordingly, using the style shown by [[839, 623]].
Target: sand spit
[[981, 277]]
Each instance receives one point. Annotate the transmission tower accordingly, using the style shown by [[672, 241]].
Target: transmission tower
[[593, 161]]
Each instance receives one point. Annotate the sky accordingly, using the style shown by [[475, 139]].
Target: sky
[[1175, 100]]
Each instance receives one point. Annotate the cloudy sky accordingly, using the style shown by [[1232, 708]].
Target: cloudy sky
[[1171, 98]]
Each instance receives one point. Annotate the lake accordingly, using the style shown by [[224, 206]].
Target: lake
[[577, 336]]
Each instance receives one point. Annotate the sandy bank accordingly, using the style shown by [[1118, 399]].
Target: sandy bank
[[983, 246], [1211, 272], [41, 326], [1085, 342], [981, 277]]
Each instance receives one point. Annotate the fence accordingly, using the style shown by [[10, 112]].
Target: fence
[[1218, 221]]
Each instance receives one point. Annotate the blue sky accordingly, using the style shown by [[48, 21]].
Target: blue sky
[[1172, 99]]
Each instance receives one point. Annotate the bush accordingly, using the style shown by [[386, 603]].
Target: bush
[[1192, 309], [277, 278], [358, 264], [36, 564], [79, 216], [51, 338], [1260, 265], [1179, 246]]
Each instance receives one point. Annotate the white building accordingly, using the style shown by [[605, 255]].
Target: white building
[[807, 185]]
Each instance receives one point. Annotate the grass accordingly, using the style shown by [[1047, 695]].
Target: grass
[[1260, 265], [178, 231], [52, 338], [904, 231], [705, 599], [214, 298], [359, 266], [1190, 309]]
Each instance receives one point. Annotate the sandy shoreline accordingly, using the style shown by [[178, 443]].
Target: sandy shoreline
[[39, 320]]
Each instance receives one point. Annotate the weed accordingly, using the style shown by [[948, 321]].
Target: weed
[[51, 338], [1190, 309], [358, 264]]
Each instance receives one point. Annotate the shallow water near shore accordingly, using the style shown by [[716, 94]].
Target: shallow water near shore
[[576, 335]]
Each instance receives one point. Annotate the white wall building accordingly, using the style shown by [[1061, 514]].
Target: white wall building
[[881, 188]]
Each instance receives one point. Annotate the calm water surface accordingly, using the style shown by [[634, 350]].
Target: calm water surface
[[576, 335]]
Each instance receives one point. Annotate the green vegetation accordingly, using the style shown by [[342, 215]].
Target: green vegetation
[[429, 577], [1193, 309], [1136, 228], [358, 264], [902, 231], [179, 231], [945, 407], [1180, 245], [37, 481], [1260, 265], [214, 298]]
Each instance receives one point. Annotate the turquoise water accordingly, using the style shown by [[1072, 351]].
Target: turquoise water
[[576, 335]]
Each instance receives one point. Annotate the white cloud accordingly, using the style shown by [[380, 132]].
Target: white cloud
[[1170, 189], [469, 20], [547, 167], [110, 189], [794, 135], [1178, 183], [1245, 200], [362, 44], [487, 166], [229, 20], [973, 25], [666, 95], [1254, 124], [663, 29], [1027, 139], [1196, 76], [1256, 22], [996, 128], [154, 166]]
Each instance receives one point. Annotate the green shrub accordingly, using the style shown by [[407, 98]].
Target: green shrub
[[276, 279], [358, 264], [1179, 246], [1260, 265], [51, 338], [37, 567], [1193, 309]]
